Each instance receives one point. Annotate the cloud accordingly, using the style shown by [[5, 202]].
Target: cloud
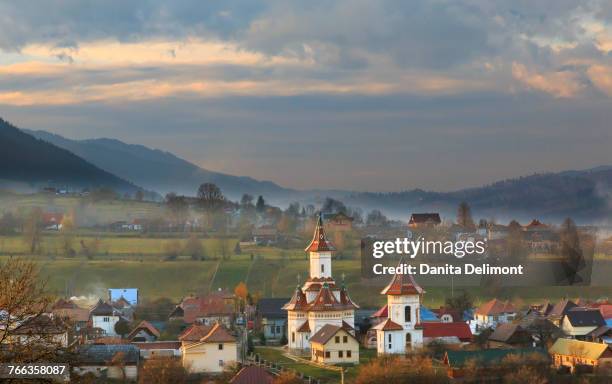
[[601, 76], [558, 84]]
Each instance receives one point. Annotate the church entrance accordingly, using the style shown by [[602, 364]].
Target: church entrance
[[408, 342]]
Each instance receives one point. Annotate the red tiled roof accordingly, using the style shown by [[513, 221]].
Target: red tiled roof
[[304, 327], [297, 301], [319, 241], [347, 327], [345, 299], [52, 218], [326, 301], [388, 325], [252, 375], [606, 311], [315, 287], [144, 325], [210, 305], [403, 284], [383, 312], [495, 307], [195, 332], [460, 330], [218, 334]]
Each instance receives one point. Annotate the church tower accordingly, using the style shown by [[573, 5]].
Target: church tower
[[320, 252], [402, 331]]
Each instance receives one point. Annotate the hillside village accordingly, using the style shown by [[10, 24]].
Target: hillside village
[[224, 333]]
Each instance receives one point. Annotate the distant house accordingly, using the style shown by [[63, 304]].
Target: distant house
[[448, 333], [559, 310], [208, 348], [338, 222], [40, 330], [579, 322], [448, 315], [574, 353], [272, 318], [144, 331], [252, 375], [156, 349], [455, 361], [265, 235], [497, 232], [333, 344], [71, 313], [52, 221], [510, 335], [216, 307], [115, 361], [104, 316], [424, 220], [129, 295], [492, 313]]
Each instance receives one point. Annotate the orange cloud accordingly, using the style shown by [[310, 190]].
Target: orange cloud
[[558, 84]]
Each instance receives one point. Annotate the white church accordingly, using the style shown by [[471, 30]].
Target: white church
[[402, 331], [319, 301]]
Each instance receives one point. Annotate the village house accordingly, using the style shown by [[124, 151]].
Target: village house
[[338, 222], [574, 353], [265, 235], [104, 316], [447, 333], [579, 322], [71, 313], [492, 313], [424, 220], [216, 307], [208, 348], [143, 332], [272, 319], [39, 330], [333, 344], [52, 221], [559, 310], [113, 361], [156, 349], [510, 335]]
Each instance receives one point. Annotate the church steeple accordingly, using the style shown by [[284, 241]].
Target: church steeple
[[319, 241], [320, 252]]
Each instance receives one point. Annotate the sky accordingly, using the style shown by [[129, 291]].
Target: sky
[[350, 94]]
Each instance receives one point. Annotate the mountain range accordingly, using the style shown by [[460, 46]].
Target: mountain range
[[30, 163], [40, 156], [159, 170]]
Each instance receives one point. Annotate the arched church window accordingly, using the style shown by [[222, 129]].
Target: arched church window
[[407, 314]]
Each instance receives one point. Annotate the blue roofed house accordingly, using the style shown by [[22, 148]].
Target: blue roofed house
[[128, 294], [271, 318], [428, 315]]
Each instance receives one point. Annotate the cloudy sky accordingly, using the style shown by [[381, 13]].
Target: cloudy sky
[[356, 94]]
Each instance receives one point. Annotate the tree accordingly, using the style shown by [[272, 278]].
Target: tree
[[8, 224], [460, 303], [237, 249], [246, 201], [570, 249], [333, 206], [376, 218], [464, 216], [395, 370], [210, 197], [31, 230], [177, 207], [162, 370], [514, 241], [260, 206], [122, 327], [67, 235], [241, 291], [24, 301], [194, 247]]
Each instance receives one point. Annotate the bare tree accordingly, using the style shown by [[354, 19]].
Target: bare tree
[[31, 230], [210, 197], [27, 333], [464, 216]]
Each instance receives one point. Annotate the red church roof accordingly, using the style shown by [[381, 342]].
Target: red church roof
[[383, 312], [297, 301], [403, 284], [388, 325], [319, 241]]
